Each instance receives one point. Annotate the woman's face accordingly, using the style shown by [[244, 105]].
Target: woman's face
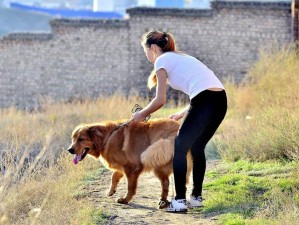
[[150, 54]]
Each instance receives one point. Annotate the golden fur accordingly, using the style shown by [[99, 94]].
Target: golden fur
[[129, 150]]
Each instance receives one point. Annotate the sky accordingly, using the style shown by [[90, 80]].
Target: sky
[[146, 2]]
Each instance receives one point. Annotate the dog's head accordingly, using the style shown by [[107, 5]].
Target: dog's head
[[86, 140]]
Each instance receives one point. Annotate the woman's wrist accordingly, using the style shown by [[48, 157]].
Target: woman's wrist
[[143, 113]]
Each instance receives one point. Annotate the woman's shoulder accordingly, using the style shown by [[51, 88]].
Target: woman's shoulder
[[177, 54], [167, 54], [164, 57], [170, 55], [173, 57]]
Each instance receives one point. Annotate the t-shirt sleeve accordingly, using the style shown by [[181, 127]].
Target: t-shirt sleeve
[[160, 63]]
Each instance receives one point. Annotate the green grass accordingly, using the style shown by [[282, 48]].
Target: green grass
[[90, 176], [94, 174], [241, 192], [92, 216]]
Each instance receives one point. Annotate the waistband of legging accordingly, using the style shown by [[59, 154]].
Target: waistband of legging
[[207, 94]]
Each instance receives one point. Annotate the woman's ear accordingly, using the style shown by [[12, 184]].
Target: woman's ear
[[154, 48]]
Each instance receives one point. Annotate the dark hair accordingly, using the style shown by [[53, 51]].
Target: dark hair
[[162, 39]]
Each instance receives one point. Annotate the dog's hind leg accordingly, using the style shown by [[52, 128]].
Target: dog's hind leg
[[132, 179], [164, 179], [115, 178]]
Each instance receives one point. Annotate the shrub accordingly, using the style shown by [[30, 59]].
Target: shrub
[[263, 122]]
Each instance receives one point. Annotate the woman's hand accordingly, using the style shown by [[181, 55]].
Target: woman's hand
[[137, 116], [177, 116]]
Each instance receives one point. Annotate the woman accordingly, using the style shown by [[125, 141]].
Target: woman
[[208, 105]]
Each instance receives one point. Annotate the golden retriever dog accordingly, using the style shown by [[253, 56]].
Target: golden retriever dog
[[130, 149]]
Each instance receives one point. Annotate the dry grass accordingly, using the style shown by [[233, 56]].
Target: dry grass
[[37, 177], [263, 121], [47, 197]]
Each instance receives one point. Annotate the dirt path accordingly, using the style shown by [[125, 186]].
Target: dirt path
[[143, 208]]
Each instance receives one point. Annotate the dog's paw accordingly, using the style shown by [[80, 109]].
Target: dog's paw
[[163, 204], [122, 201], [110, 193]]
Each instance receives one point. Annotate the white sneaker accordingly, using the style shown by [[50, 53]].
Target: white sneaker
[[177, 205], [195, 202]]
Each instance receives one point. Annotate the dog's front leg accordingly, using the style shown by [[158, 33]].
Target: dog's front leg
[[115, 178], [132, 179]]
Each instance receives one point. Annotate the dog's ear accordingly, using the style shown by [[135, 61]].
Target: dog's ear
[[96, 135]]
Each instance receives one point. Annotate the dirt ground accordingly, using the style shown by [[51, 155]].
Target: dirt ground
[[143, 207]]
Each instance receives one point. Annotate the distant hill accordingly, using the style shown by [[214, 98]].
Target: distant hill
[[14, 20]]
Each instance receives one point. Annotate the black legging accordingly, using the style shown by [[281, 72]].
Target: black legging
[[199, 124]]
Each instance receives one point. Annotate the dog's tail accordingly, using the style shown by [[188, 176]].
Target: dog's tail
[[158, 154]]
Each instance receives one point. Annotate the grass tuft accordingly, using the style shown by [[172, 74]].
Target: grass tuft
[[237, 196], [263, 121]]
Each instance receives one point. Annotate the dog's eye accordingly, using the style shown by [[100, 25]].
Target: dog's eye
[[80, 139]]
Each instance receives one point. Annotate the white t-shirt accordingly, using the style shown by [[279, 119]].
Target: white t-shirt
[[186, 73]]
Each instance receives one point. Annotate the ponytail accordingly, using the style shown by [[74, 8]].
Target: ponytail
[[167, 44], [152, 80], [170, 45]]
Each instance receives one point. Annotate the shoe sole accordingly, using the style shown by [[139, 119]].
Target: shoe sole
[[176, 211], [183, 212]]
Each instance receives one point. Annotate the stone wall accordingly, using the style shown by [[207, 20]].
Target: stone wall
[[79, 59], [89, 58]]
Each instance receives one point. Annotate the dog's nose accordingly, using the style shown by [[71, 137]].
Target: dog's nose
[[71, 150]]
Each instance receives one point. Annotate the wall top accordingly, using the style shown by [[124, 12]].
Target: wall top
[[218, 4], [27, 36], [275, 5], [169, 12], [89, 23]]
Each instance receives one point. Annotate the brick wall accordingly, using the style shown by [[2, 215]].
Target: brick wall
[[89, 58]]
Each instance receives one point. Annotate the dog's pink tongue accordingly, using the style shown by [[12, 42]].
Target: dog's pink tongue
[[76, 159]]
